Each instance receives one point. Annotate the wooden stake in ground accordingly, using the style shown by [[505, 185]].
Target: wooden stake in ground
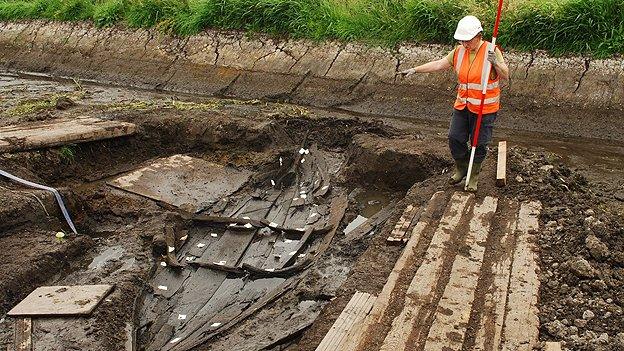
[[23, 334], [501, 166]]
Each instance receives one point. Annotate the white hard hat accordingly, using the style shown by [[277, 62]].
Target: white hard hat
[[467, 28]]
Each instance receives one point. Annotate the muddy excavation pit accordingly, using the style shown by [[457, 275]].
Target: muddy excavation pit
[[219, 230], [248, 225]]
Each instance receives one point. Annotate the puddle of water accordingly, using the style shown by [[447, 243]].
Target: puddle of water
[[110, 254], [371, 202]]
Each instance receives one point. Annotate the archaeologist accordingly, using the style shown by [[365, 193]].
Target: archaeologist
[[468, 60]]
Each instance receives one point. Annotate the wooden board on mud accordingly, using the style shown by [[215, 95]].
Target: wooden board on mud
[[180, 179], [58, 132], [354, 313], [61, 300]]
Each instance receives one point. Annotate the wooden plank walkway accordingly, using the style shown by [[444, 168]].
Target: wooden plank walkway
[[453, 312], [357, 337], [522, 323], [490, 331], [59, 132], [479, 273], [421, 291]]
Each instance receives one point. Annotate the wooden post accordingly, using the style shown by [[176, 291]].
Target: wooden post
[[501, 166], [23, 334]]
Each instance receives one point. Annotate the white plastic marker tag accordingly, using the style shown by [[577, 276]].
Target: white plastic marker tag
[[214, 235], [307, 151], [302, 192], [171, 248], [181, 316], [273, 225], [164, 264], [200, 245], [246, 218], [300, 229], [162, 287], [248, 226], [272, 182], [270, 269], [220, 263], [173, 341], [301, 255], [281, 162], [189, 258], [288, 241], [215, 325], [232, 224], [184, 238], [292, 253], [302, 160], [302, 151], [303, 196]]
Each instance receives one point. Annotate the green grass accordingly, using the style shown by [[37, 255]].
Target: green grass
[[590, 27], [67, 153]]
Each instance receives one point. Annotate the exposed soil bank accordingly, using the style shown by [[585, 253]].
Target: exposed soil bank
[[540, 96]]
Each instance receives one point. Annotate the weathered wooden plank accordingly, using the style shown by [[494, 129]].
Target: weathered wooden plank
[[179, 180], [552, 346], [23, 334], [451, 318], [356, 325], [490, 329], [356, 310], [421, 290], [521, 328], [228, 302], [189, 343], [398, 233], [335, 329], [60, 132], [501, 165], [61, 300], [358, 336], [377, 219]]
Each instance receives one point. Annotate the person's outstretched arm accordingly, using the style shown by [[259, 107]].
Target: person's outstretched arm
[[433, 66]]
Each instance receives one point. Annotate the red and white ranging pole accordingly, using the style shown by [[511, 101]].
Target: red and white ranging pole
[[484, 79]]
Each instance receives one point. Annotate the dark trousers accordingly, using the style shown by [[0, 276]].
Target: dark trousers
[[461, 133]]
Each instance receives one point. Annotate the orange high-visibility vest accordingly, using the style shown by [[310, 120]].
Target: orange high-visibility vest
[[469, 84]]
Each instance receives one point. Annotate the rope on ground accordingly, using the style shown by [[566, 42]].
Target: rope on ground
[[57, 195]]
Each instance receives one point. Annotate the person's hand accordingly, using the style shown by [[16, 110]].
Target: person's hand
[[492, 58], [408, 72]]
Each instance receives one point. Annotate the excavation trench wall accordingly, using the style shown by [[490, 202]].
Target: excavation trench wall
[[540, 96]]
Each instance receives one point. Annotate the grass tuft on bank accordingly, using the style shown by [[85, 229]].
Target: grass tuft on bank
[[589, 27]]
